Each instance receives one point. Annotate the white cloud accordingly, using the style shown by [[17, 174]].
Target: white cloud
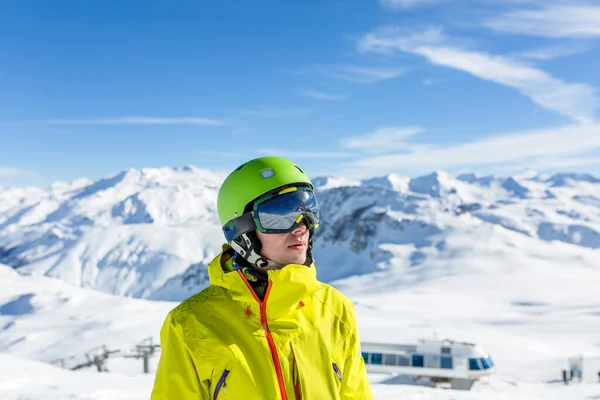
[[6, 172], [363, 74], [554, 21], [138, 121], [303, 154], [324, 96], [554, 163], [519, 147], [382, 140], [273, 112], [352, 73], [404, 4], [389, 40], [574, 100], [551, 52]]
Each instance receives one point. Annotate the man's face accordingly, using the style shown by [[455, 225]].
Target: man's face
[[285, 248]]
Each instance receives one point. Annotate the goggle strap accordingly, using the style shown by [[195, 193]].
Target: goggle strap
[[284, 191]]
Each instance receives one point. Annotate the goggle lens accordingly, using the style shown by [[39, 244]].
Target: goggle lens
[[277, 213], [283, 212]]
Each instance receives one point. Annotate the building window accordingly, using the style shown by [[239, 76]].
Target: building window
[[365, 357], [474, 364], [404, 361], [417, 360], [487, 363], [432, 361], [389, 359], [446, 362], [376, 358]]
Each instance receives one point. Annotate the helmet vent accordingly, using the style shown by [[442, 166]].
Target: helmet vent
[[299, 169], [267, 173]]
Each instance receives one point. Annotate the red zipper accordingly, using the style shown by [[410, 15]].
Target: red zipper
[[265, 326]]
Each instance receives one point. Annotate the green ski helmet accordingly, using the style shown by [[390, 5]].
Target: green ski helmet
[[247, 183]]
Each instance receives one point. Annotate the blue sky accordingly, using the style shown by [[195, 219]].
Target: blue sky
[[352, 88]]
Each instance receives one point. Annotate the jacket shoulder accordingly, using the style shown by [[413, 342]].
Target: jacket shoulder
[[196, 302], [334, 297], [338, 304]]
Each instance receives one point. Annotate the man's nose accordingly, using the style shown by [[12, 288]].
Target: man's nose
[[300, 228]]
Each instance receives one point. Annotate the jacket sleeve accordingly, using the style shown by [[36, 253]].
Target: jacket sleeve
[[176, 377], [355, 382]]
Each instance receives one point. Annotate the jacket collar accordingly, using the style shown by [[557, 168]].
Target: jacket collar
[[289, 285]]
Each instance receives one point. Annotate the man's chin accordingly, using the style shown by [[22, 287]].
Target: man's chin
[[295, 260]]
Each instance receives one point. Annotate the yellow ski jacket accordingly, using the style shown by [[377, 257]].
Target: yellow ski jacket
[[300, 342]]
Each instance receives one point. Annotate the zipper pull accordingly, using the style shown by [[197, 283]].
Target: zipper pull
[[337, 371]]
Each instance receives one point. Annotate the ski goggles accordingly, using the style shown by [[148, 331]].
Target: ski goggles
[[279, 212]]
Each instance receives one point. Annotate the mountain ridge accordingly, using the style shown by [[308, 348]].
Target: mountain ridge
[[150, 233]]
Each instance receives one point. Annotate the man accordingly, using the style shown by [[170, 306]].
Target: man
[[265, 328]]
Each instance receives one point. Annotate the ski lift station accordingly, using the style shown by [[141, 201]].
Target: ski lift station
[[457, 363]]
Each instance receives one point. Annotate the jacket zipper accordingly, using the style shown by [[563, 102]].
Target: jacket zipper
[[265, 326], [337, 371], [220, 384]]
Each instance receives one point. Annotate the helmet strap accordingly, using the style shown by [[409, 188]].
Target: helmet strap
[[248, 246]]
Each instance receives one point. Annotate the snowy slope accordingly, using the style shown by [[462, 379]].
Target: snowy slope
[[25, 379], [529, 332], [22, 379], [47, 319]]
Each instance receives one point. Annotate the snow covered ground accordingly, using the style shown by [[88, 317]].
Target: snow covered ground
[[22, 379], [529, 335]]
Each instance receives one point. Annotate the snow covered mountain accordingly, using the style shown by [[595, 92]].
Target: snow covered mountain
[[508, 263], [150, 233], [127, 234]]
